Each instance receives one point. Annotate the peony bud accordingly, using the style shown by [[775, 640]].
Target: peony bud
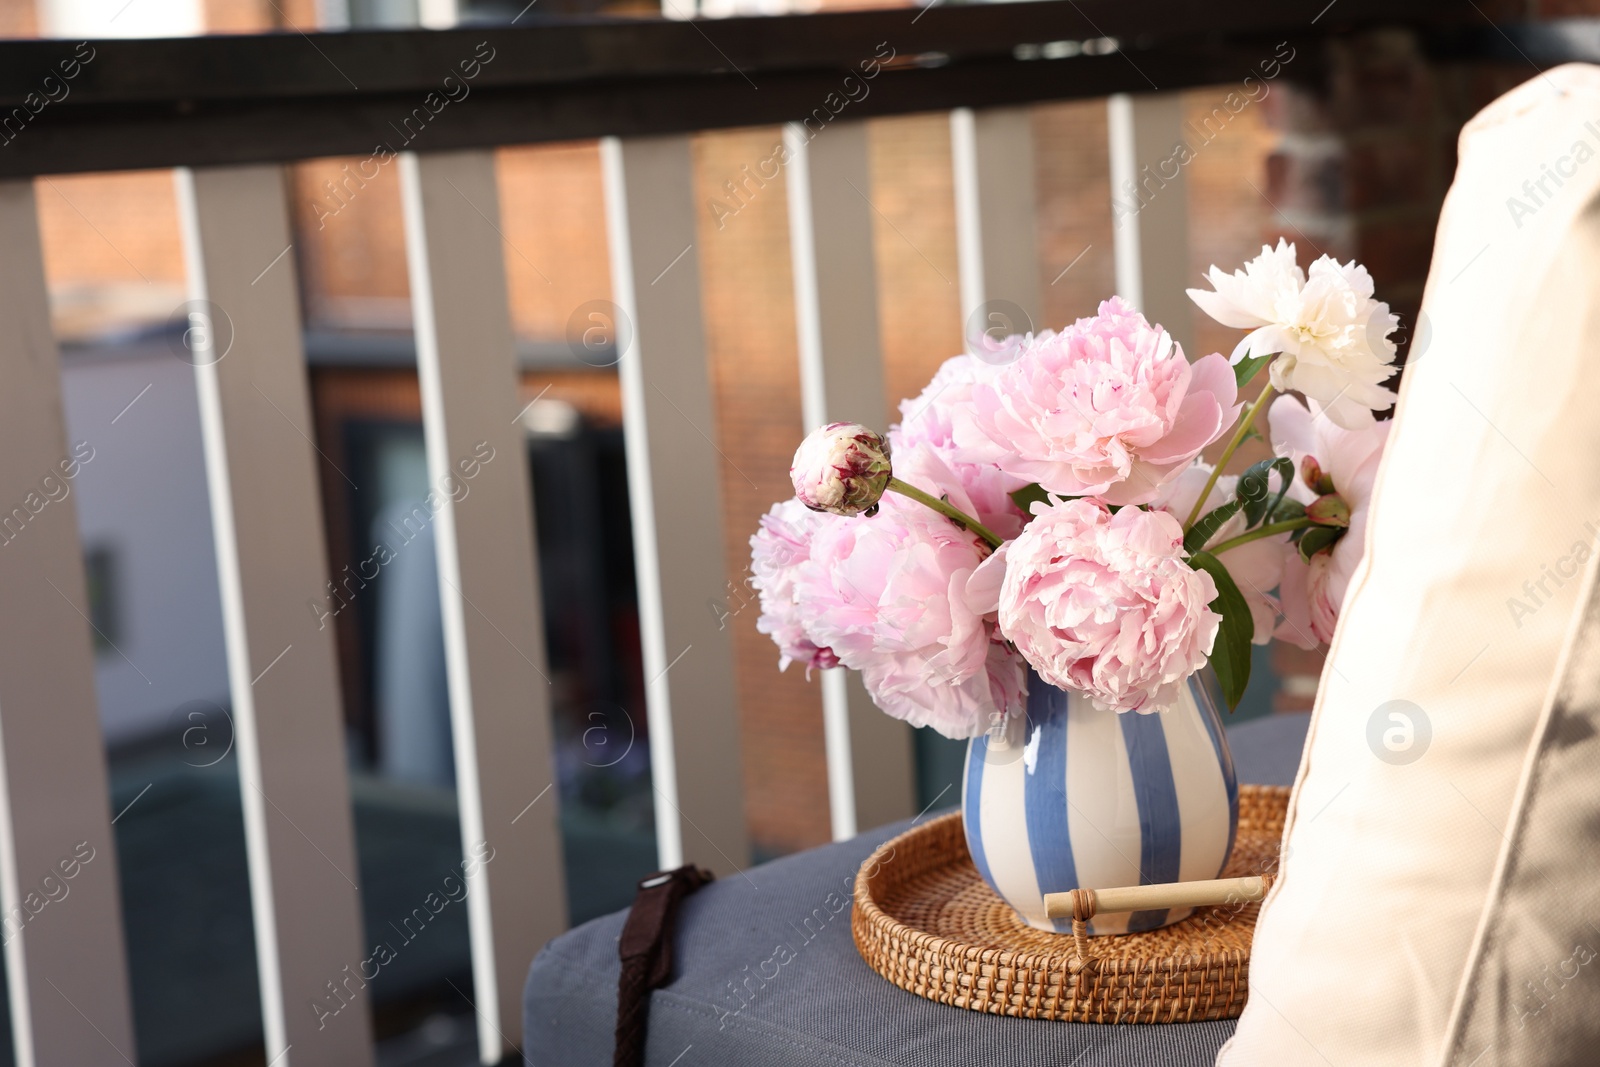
[[1329, 509], [841, 469], [1314, 476]]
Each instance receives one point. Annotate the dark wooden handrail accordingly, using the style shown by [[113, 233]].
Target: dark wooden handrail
[[281, 96]]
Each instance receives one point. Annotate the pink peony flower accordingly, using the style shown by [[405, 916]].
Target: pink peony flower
[[779, 547], [926, 454], [842, 468], [1313, 592], [1256, 566], [885, 595], [1109, 407], [1333, 336], [1103, 604], [1310, 603]]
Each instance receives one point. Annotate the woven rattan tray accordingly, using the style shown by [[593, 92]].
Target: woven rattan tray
[[926, 921]]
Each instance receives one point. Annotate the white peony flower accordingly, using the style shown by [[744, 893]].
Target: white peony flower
[[1331, 335]]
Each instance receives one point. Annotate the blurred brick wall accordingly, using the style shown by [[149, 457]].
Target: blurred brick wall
[[914, 240], [351, 247], [111, 248], [351, 244], [19, 18], [255, 16], [552, 211], [1229, 217], [1359, 169], [1231, 212], [1361, 165], [1072, 188]]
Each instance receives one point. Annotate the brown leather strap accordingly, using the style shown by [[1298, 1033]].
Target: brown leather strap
[[646, 951]]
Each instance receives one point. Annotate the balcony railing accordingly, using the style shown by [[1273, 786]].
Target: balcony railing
[[229, 112]]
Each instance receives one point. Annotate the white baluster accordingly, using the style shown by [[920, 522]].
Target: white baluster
[[1150, 211], [266, 513], [500, 690], [996, 220], [871, 772], [675, 495], [67, 971]]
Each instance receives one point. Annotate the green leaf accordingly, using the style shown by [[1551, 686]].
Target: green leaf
[[1283, 491], [1255, 487], [1248, 367], [1317, 539], [1208, 524], [1025, 497], [1230, 655], [1284, 510]]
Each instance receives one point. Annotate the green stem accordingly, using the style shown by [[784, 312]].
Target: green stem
[[1271, 529], [944, 508], [1227, 454]]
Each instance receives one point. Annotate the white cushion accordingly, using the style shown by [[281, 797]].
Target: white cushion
[[1485, 512]]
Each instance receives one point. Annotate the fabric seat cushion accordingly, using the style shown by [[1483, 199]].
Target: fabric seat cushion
[[767, 973]]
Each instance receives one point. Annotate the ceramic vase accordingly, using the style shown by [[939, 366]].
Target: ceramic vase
[[1073, 796]]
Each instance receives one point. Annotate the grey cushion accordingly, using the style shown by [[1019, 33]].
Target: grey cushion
[[1266, 751], [766, 973]]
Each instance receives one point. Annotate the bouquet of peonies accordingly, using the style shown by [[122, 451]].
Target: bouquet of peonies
[[1053, 512]]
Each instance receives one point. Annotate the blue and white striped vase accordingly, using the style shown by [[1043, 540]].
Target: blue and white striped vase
[[1076, 797]]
